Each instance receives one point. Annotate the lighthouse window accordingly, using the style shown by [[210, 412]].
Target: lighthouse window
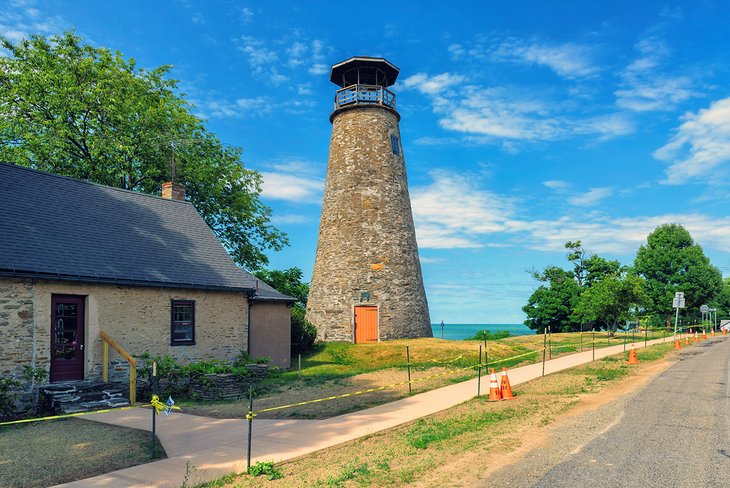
[[395, 144]]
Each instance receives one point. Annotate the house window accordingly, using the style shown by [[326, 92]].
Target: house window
[[395, 144], [182, 330]]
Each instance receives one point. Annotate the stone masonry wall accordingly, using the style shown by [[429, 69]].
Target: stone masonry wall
[[137, 318], [367, 240]]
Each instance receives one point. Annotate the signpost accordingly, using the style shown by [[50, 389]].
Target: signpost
[[677, 303], [704, 309]]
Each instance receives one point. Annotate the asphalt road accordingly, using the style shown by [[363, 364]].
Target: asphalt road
[[673, 433]]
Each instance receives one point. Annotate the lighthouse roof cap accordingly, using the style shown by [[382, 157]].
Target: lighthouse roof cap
[[345, 73]]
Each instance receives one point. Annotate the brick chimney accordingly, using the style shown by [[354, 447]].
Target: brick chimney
[[173, 191]]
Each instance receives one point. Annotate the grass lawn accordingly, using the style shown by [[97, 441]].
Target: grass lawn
[[337, 368], [458, 445], [58, 451]]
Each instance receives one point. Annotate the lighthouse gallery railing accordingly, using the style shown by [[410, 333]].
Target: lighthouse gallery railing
[[364, 95]]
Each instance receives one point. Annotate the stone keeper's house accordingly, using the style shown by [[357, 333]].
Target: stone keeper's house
[[78, 259]]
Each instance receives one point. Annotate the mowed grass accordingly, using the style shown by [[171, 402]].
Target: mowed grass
[[458, 445], [339, 368], [58, 451]]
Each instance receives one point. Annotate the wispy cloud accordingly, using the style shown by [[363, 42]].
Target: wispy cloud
[[700, 146], [591, 197], [497, 113], [454, 212], [646, 85], [19, 20], [569, 60], [277, 60], [556, 184]]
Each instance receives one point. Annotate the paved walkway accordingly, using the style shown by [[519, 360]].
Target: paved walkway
[[218, 446]]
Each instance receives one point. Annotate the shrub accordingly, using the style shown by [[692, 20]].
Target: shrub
[[266, 469], [489, 335], [303, 333], [8, 397]]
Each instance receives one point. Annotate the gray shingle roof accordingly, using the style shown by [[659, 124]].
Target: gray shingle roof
[[60, 228]]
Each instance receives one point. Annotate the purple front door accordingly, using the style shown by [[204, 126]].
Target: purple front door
[[67, 338]]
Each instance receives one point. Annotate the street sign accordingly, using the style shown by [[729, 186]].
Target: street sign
[[704, 309], [678, 301]]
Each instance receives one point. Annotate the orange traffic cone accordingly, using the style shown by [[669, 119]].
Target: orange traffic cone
[[505, 388], [723, 332], [686, 340], [632, 356], [712, 333], [704, 335], [494, 390], [677, 343], [697, 338]]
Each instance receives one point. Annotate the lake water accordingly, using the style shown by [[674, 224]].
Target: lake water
[[457, 332]]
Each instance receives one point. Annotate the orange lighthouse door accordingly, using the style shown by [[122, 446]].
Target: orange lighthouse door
[[366, 324]]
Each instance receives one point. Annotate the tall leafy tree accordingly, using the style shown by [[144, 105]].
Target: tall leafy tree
[[610, 300], [73, 109], [671, 261], [552, 304]]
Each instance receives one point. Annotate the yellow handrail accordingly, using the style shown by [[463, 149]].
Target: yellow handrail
[[108, 341]]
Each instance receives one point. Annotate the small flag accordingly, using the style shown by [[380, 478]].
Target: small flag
[[170, 403]]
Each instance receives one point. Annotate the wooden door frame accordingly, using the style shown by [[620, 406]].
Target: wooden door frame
[[354, 324], [81, 300]]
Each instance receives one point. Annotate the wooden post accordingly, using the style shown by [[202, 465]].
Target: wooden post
[[594, 344], [132, 384], [105, 362], [250, 426]]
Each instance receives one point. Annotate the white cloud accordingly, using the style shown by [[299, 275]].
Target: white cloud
[[645, 87], [19, 21], [568, 60], [278, 60], [294, 181], [240, 108], [556, 184], [591, 197], [499, 113], [452, 212], [247, 15], [432, 85], [700, 146]]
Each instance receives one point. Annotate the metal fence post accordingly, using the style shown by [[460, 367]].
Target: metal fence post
[[408, 357], [594, 344], [479, 372], [544, 345], [250, 425]]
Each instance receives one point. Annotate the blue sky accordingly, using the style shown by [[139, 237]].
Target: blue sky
[[524, 124]]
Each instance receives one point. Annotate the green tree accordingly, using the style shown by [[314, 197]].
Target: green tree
[[610, 300], [73, 109], [552, 304], [671, 261], [289, 282], [722, 300]]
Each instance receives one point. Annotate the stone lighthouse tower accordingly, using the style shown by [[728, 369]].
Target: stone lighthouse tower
[[367, 284]]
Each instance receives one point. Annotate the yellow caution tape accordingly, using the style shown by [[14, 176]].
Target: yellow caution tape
[[379, 388], [154, 402], [161, 407], [448, 361], [68, 415]]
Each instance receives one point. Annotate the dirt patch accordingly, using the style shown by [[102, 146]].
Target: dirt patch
[[58, 451]]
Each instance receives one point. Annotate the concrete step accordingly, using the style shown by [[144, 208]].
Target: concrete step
[[82, 396]]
